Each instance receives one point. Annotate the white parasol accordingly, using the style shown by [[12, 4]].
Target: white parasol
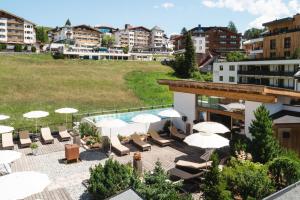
[[211, 127], [35, 115]]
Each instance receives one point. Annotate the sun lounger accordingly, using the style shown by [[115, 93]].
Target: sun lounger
[[174, 133], [116, 144], [159, 140], [141, 144], [184, 175], [25, 140], [192, 165], [7, 141], [63, 134], [46, 135]]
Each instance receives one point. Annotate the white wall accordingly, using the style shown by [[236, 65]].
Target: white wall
[[199, 44], [226, 73], [185, 104], [29, 33]]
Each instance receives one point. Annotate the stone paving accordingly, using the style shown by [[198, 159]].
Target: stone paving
[[70, 176]]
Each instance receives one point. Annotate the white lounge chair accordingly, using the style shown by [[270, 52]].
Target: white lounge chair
[[46, 135], [7, 141], [116, 144]]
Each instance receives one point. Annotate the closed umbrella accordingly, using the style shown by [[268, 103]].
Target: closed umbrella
[[146, 119], [4, 117], [20, 185], [111, 123], [211, 127], [8, 156], [66, 111], [6, 129], [35, 115], [171, 113], [206, 140]]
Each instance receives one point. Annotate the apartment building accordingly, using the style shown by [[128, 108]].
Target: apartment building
[[210, 41], [254, 48], [80, 36], [141, 39], [282, 37], [16, 30]]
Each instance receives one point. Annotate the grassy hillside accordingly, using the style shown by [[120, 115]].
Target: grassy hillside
[[37, 82]]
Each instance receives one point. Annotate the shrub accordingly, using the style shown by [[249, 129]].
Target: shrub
[[285, 171], [3, 47], [265, 146], [18, 48], [58, 55], [110, 179], [235, 56], [214, 188], [247, 179], [33, 49], [25, 48], [239, 143], [86, 129]]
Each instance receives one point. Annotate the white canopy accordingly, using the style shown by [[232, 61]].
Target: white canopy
[[169, 113], [8, 156], [146, 118], [4, 117], [211, 127], [35, 114], [6, 129], [206, 141], [20, 185], [66, 110]]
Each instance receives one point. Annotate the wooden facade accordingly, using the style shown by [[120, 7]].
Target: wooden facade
[[86, 36], [283, 37]]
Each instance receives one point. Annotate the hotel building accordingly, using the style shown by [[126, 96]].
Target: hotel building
[[234, 106], [16, 30]]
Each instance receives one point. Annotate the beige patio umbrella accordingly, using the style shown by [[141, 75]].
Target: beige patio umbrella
[[6, 129], [211, 127], [35, 115], [4, 117], [66, 111]]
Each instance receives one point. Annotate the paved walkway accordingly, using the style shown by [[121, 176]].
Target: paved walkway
[[58, 194]]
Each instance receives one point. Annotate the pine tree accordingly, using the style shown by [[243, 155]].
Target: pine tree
[[68, 23], [183, 31], [231, 26], [189, 56], [265, 147]]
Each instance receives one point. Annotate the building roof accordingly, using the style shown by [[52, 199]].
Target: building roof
[[234, 91], [8, 13], [200, 29], [139, 27], [291, 192], [286, 117], [86, 26], [127, 194], [287, 19], [156, 28]]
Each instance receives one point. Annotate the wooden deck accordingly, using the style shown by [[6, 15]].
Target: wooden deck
[[58, 194]]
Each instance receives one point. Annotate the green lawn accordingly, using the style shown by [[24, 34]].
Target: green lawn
[[37, 82]]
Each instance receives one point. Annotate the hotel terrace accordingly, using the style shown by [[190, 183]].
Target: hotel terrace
[[233, 105]]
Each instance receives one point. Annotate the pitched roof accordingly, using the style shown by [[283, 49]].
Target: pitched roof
[[287, 19], [13, 15], [291, 192], [157, 28], [139, 27], [86, 26], [286, 117], [200, 29], [127, 194]]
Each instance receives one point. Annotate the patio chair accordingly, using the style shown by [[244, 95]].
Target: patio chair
[[141, 144], [159, 140], [184, 175], [63, 134], [7, 141], [116, 144], [25, 140], [174, 133], [193, 165], [46, 135]]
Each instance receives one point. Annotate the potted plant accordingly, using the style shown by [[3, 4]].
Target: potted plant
[[34, 148]]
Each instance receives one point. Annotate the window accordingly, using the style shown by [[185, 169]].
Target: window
[[287, 42], [231, 68], [272, 55], [222, 42], [233, 42], [2, 36], [220, 78], [2, 24], [273, 44], [285, 135], [231, 79], [221, 67], [233, 37], [287, 54], [223, 36]]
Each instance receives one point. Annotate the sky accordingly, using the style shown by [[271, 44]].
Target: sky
[[170, 15]]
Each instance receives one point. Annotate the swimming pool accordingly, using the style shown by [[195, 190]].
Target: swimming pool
[[126, 116]]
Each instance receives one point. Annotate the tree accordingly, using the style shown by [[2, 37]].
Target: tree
[[296, 54], [213, 186], [189, 55], [33, 49], [18, 48], [247, 179], [235, 56], [231, 26], [68, 22], [2, 47], [126, 49], [156, 186], [108, 41], [285, 171], [41, 34], [110, 179], [253, 33], [183, 31], [264, 145]]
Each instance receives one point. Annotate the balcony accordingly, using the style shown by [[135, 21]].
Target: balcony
[[266, 73]]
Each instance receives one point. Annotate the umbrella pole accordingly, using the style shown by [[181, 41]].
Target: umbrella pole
[[109, 141], [66, 120], [35, 126]]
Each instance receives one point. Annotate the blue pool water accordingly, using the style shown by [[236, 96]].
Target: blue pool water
[[124, 116]]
